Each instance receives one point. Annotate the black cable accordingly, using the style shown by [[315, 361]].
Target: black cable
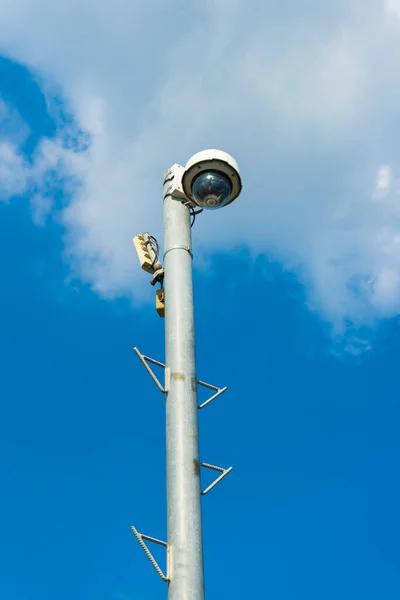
[[194, 213], [156, 249], [154, 243]]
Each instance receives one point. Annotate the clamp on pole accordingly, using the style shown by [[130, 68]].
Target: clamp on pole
[[178, 247]]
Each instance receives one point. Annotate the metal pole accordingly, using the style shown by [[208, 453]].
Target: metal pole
[[183, 465]]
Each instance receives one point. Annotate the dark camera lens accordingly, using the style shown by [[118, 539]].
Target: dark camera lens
[[211, 189]]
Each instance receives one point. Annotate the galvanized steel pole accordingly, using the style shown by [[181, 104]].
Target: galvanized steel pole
[[183, 465], [211, 180]]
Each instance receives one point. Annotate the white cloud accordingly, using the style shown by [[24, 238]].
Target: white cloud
[[303, 93], [383, 181], [12, 127], [12, 171], [53, 164], [393, 7]]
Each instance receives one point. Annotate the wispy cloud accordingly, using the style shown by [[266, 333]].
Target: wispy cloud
[[12, 171], [383, 181]]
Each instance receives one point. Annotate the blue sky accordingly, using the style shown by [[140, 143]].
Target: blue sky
[[297, 299]]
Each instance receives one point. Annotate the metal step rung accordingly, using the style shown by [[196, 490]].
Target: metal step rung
[[140, 538], [224, 473]]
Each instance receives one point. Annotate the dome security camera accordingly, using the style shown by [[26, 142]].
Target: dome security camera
[[211, 179]]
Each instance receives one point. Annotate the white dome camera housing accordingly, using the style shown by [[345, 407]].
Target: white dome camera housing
[[211, 179]]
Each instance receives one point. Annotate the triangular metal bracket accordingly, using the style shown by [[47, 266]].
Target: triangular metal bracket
[[140, 538], [145, 360], [224, 473], [218, 391]]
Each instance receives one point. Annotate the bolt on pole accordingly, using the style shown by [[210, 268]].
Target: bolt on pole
[[184, 524]]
